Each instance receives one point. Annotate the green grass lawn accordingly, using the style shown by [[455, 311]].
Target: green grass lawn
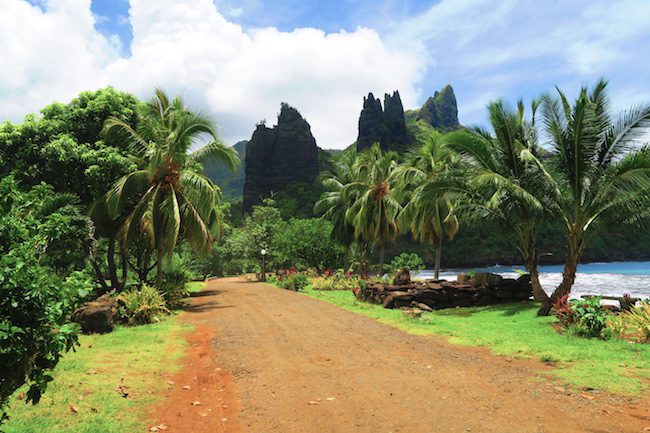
[[515, 330], [136, 357], [195, 286]]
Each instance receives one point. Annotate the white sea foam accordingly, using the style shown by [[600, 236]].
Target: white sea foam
[[587, 283]]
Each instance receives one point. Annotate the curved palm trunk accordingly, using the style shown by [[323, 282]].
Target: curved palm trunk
[[575, 248], [538, 292], [438, 258]]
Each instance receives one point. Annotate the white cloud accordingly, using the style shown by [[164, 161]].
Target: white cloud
[[520, 48], [188, 46]]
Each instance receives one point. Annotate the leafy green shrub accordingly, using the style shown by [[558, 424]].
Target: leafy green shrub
[[141, 306], [34, 334], [336, 281], [631, 325], [292, 280], [590, 317], [175, 276], [410, 261]]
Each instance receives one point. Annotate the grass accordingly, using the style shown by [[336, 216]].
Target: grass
[[195, 286], [514, 329], [136, 357]]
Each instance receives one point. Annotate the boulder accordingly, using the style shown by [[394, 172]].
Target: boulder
[[95, 319]]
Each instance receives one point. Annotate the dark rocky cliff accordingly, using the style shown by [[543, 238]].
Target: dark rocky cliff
[[278, 156], [388, 126]]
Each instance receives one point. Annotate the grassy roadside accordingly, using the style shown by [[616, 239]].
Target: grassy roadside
[[515, 330], [83, 397], [195, 286]]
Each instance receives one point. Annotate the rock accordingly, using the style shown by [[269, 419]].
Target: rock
[[278, 156], [95, 318], [424, 307], [371, 124], [403, 277]]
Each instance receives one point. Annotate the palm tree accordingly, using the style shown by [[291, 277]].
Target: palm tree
[[333, 205], [424, 184], [597, 171], [374, 210], [168, 198], [503, 186]]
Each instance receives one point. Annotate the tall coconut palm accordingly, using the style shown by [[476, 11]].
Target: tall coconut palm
[[168, 198], [598, 169], [430, 202], [333, 205], [374, 210], [503, 186]]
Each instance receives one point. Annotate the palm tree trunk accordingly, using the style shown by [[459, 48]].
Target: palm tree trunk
[[531, 266], [574, 252], [112, 266], [346, 259], [381, 259], [438, 258], [159, 268]]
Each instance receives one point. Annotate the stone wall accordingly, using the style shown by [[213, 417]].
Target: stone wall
[[482, 289]]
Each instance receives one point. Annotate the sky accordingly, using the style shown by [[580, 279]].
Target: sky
[[239, 59]]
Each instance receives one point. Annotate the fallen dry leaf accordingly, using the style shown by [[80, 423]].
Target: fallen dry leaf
[[224, 419], [203, 414], [587, 396], [312, 402], [187, 387], [74, 409], [170, 382], [330, 398], [196, 403]]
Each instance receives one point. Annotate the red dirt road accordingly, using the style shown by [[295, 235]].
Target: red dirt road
[[269, 360]]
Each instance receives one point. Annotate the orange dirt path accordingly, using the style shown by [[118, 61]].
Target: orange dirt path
[[264, 359]]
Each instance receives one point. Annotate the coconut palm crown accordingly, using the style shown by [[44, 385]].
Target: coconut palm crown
[[168, 197], [599, 170]]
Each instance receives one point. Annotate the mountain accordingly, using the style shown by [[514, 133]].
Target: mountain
[[279, 156], [439, 111], [388, 126], [231, 183]]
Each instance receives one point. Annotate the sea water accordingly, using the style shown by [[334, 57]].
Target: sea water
[[615, 278]]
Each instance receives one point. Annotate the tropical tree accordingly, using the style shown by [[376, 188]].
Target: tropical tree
[[429, 193], [333, 205], [502, 186], [168, 197], [374, 210], [598, 171]]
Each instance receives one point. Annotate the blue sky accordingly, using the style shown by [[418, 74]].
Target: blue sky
[[239, 59]]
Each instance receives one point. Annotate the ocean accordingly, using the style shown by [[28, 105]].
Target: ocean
[[614, 278]]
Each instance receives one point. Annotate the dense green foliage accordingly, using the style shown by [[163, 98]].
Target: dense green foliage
[[42, 234], [409, 261]]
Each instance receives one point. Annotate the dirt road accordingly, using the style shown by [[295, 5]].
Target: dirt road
[[284, 362]]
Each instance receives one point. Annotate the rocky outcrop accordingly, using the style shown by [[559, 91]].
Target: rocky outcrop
[[371, 124], [385, 126], [483, 289], [278, 156], [388, 126], [439, 111]]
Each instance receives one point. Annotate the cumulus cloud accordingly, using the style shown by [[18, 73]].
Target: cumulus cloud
[[189, 47]]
